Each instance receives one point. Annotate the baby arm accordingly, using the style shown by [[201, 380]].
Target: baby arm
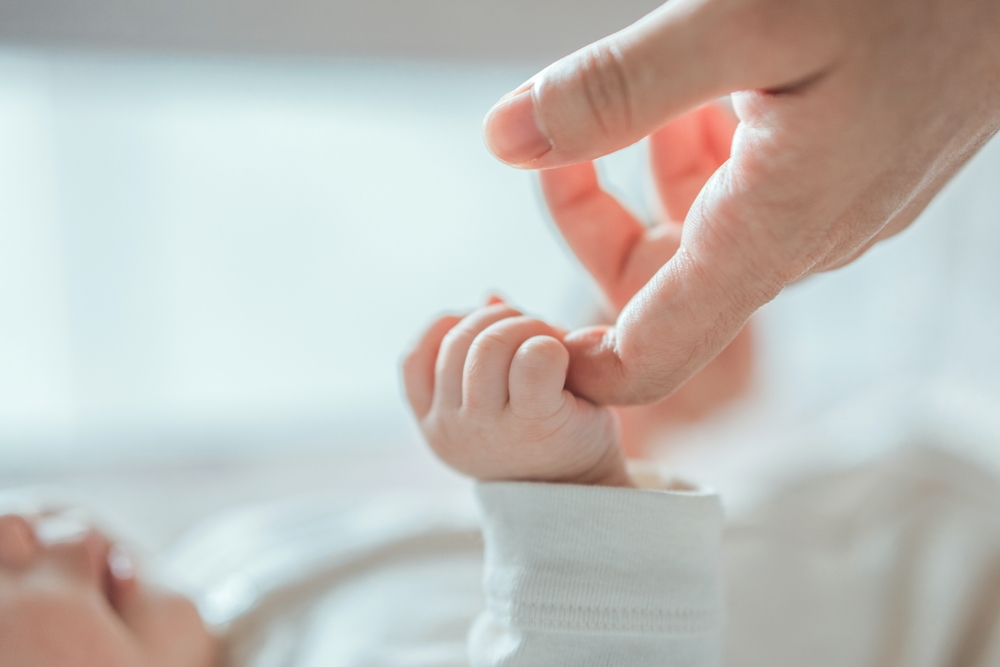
[[488, 391], [579, 572]]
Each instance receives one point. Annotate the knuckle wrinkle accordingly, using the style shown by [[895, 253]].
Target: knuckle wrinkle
[[606, 88]]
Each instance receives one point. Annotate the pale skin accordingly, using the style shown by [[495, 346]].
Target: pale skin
[[683, 155], [489, 389], [488, 392], [853, 115], [77, 603]]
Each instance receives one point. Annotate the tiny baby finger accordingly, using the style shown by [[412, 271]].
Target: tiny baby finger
[[487, 368]]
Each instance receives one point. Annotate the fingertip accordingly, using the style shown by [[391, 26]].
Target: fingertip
[[538, 376], [590, 337], [595, 370], [512, 131], [544, 353], [417, 366], [457, 350]]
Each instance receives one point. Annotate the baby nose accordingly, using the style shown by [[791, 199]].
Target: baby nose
[[18, 544]]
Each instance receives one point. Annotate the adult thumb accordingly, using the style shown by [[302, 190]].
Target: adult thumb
[[618, 90]]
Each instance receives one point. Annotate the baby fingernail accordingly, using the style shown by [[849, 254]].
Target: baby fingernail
[[120, 563], [512, 132]]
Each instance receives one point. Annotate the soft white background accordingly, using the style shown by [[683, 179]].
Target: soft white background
[[203, 250]]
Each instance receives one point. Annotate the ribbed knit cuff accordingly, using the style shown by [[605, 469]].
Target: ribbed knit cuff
[[598, 559]]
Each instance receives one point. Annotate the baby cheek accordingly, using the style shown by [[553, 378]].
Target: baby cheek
[[171, 626], [202, 648], [63, 629]]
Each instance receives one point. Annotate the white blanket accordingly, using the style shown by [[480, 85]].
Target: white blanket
[[893, 563]]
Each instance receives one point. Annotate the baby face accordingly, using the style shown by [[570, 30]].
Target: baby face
[[74, 602]]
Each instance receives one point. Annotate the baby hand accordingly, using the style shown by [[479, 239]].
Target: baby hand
[[488, 391]]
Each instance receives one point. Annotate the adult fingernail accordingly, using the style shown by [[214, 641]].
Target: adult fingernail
[[512, 131]]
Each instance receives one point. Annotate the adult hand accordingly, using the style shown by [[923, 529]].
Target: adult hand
[[854, 114], [683, 156]]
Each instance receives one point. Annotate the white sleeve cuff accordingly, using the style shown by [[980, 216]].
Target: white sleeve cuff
[[572, 566]]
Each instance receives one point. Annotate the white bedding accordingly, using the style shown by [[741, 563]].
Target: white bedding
[[892, 562]]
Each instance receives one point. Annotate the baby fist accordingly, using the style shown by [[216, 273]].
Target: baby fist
[[488, 391]]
